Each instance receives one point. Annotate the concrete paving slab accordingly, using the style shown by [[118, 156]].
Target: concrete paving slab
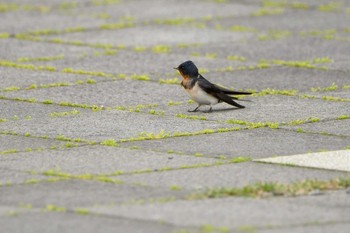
[[341, 93], [80, 193], [18, 143], [108, 94], [280, 78], [32, 21], [327, 127], [19, 50], [341, 227], [317, 36], [243, 143], [268, 108], [332, 160], [182, 9], [56, 222], [259, 110], [25, 79], [107, 125], [294, 20], [293, 48], [9, 177], [231, 175], [98, 160], [233, 212], [18, 110], [144, 36]]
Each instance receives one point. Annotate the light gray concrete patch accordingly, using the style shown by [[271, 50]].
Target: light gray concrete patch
[[233, 212], [97, 160], [232, 175], [256, 143], [332, 160]]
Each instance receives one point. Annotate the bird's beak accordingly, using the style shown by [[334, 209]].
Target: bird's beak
[[176, 68]]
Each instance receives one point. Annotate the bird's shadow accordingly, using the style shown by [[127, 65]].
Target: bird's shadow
[[216, 110]]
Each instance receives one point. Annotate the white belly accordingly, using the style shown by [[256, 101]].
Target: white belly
[[201, 97]]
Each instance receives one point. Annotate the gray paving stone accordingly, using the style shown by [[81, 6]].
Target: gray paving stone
[[289, 49], [327, 127], [17, 110], [144, 36], [294, 20], [280, 78], [97, 160], [233, 212], [232, 175], [115, 93], [341, 227], [23, 143], [26, 78], [341, 93], [242, 143], [281, 33], [260, 109], [80, 193], [31, 21], [107, 125], [182, 9], [269, 108], [70, 222], [16, 50], [13, 176]]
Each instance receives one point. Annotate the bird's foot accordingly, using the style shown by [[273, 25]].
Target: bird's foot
[[194, 110], [210, 110]]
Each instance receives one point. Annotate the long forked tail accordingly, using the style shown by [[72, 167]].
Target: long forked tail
[[231, 92]]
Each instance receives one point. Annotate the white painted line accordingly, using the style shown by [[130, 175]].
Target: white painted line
[[333, 160]]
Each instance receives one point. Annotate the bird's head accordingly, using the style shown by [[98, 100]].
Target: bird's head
[[187, 69]]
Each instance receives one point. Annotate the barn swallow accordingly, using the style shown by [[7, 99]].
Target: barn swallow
[[204, 92]]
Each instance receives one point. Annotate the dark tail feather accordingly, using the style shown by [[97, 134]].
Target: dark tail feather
[[228, 99], [231, 92], [239, 99], [237, 93]]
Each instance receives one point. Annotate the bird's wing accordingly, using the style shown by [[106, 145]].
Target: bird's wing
[[216, 92], [212, 88], [207, 86], [227, 99], [231, 92]]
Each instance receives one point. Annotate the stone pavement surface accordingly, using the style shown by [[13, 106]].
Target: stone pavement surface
[[94, 130]]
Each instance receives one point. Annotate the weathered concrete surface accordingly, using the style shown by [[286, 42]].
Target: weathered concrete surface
[[95, 133]]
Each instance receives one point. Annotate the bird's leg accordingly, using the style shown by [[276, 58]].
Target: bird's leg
[[210, 110], [195, 110]]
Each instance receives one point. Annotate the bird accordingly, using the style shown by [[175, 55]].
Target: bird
[[204, 92]]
